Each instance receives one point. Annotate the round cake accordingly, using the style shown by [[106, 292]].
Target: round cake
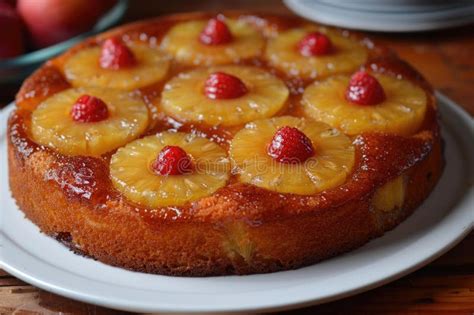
[[207, 144]]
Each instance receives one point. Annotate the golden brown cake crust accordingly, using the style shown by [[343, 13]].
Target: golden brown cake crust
[[239, 229]]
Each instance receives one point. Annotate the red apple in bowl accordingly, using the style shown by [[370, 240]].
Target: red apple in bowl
[[10, 2], [52, 21], [11, 37]]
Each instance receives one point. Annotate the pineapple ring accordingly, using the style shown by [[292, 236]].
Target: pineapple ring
[[184, 99], [282, 54], [328, 168], [131, 173], [182, 41], [83, 69], [52, 125], [401, 113]]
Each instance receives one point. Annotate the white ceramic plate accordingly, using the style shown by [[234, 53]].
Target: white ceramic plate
[[397, 19], [409, 6], [435, 227]]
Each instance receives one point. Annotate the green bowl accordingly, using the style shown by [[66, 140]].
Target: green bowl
[[16, 69]]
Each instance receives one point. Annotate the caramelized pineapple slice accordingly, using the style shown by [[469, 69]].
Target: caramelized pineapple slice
[[327, 168], [83, 69], [53, 126], [282, 53], [184, 98], [402, 112], [182, 41], [390, 196], [132, 174]]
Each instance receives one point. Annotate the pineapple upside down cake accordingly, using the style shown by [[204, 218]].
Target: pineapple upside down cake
[[200, 144]]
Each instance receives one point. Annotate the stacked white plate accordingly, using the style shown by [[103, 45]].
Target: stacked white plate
[[387, 15]]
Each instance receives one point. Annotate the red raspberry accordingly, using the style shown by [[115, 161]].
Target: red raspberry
[[221, 85], [89, 109], [172, 160], [315, 44], [289, 145], [116, 55], [216, 32], [364, 89]]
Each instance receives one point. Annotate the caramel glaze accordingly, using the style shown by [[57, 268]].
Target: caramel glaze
[[379, 157]]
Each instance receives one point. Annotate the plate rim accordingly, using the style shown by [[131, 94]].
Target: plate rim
[[456, 236], [367, 21]]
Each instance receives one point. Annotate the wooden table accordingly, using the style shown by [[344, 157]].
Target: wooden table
[[445, 286]]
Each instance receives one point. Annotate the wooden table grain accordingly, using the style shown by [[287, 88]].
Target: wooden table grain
[[445, 286]]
